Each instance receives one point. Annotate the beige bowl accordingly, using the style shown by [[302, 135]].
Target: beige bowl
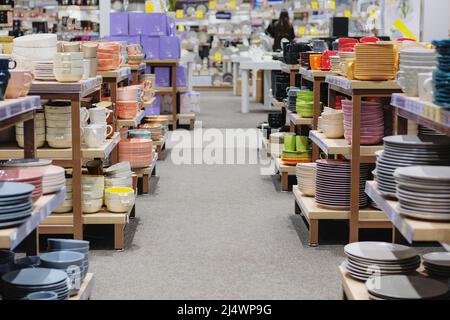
[[68, 74], [91, 205], [66, 206], [37, 130], [40, 141], [333, 131], [92, 179], [59, 141], [63, 131]]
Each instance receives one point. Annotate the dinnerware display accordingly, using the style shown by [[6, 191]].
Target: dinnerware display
[[296, 150], [148, 83], [315, 61], [408, 150], [155, 129], [139, 133], [119, 199], [53, 178], [304, 103], [332, 123], [94, 135], [437, 264], [420, 191], [127, 109], [58, 118], [19, 284], [89, 50], [306, 178], [371, 259], [137, 151], [333, 184], [39, 127], [276, 119], [441, 77], [68, 67], [325, 63], [109, 56], [425, 86], [71, 46], [16, 202], [372, 122], [99, 114], [25, 163], [424, 131], [19, 83], [408, 80], [130, 93], [347, 44], [90, 68], [24, 175], [406, 287], [30, 49], [92, 187], [43, 70], [80, 246], [66, 205], [291, 98], [375, 61]]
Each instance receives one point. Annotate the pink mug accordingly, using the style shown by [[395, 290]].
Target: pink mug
[[19, 83]]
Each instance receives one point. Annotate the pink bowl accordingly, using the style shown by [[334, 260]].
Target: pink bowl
[[130, 93]]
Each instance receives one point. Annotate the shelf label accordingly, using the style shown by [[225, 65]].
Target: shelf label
[[232, 4], [301, 30], [199, 14], [149, 7], [348, 13], [179, 13], [332, 4], [212, 4], [181, 27], [314, 5], [218, 56], [313, 31]]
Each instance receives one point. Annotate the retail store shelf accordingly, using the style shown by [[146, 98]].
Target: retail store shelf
[[83, 87], [161, 62], [411, 229], [282, 168], [297, 120], [63, 154], [275, 103], [120, 74], [288, 68], [10, 238], [86, 288], [311, 74], [131, 122], [11, 108], [353, 289], [344, 85], [340, 146], [169, 89], [422, 112], [311, 211], [78, 8]]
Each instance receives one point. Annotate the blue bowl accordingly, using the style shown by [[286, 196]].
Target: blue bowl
[[42, 295]]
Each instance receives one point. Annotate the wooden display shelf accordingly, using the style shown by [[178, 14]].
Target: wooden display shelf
[[160, 145], [85, 292], [297, 120], [346, 86], [422, 112], [131, 122], [82, 88], [311, 75], [168, 90], [63, 154], [11, 237], [275, 103], [187, 117], [161, 62], [284, 171], [118, 75], [292, 70], [137, 67], [12, 108], [147, 173], [341, 146], [411, 229], [309, 209]]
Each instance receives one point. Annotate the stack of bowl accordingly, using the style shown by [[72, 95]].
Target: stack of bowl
[[89, 59], [80, 246], [335, 63], [120, 199], [306, 178], [332, 123], [129, 100], [304, 103], [135, 55], [155, 129], [119, 175], [92, 187], [58, 119], [109, 56], [39, 127], [67, 204], [69, 261], [139, 152], [291, 98], [68, 66]]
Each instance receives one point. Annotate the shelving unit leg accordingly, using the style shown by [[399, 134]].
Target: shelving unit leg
[[355, 169], [76, 169], [292, 127], [313, 233], [284, 181], [119, 237], [297, 208], [402, 124], [316, 114], [29, 145], [292, 75], [244, 91], [32, 243], [174, 95], [267, 74]]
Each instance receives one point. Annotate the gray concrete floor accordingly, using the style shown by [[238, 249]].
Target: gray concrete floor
[[218, 232]]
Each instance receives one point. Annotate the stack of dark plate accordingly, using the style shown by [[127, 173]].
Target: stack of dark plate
[[6, 261], [406, 287], [424, 131], [437, 264], [16, 203], [80, 246], [68, 261], [368, 259], [404, 151], [19, 284], [276, 119], [441, 77], [333, 184]]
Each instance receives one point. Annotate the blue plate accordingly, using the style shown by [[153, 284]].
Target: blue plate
[[35, 277], [12, 223], [15, 216], [14, 189], [14, 208], [43, 295]]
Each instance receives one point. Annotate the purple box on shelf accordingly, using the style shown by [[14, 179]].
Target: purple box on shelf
[[118, 23], [150, 47], [128, 39], [155, 109], [148, 24], [171, 27], [169, 47], [181, 76], [162, 76]]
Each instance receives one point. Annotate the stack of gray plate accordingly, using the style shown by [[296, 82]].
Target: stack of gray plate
[[80, 246], [20, 283], [403, 287], [437, 264], [368, 259], [69, 261], [424, 131], [423, 192], [404, 151], [16, 204]]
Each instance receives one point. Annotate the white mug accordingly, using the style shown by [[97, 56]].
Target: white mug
[[99, 114], [425, 86], [95, 134], [84, 116]]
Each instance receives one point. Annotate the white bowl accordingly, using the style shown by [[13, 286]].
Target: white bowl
[[39, 142], [33, 55], [118, 205], [63, 131], [55, 117], [121, 166], [118, 182], [39, 131], [60, 142], [68, 75], [66, 206], [333, 116], [36, 40], [92, 179], [94, 193], [62, 57], [91, 205], [57, 109], [60, 124], [68, 64], [333, 132]]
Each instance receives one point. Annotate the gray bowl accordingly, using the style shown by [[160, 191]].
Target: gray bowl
[[43, 295], [67, 244], [62, 259]]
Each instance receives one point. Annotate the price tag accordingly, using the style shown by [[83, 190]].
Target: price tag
[[348, 13], [301, 30], [332, 4], [218, 56], [313, 31], [149, 7], [373, 14], [199, 14], [232, 4], [179, 13], [181, 27], [314, 5], [212, 4]]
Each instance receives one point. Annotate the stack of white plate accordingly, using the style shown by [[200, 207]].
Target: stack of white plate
[[43, 70], [406, 287], [368, 259], [54, 178], [30, 49], [335, 63], [67, 204], [119, 175], [39, 127], [92, 188], [306, 178], [423, 192], [403, 151], [437, 264], [58, 117]]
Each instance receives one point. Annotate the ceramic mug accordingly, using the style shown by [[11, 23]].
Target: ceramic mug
[[89, 50], [425, 86], [315, 61], [95, 134], [84, 116], [71, 47], [99, 114], [19, 83], [319, 45]]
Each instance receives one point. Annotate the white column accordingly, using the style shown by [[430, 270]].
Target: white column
[[235, 77], [190, 74], [105, 9], [254, 77], [267, 88], [244, 95]]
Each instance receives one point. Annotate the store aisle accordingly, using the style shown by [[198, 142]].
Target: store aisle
[[217, 232]]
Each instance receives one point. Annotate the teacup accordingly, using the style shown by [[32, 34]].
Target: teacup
[[71, 47], [95, 134], [425, 86], [90, 50], [99, 114], [19, 83]]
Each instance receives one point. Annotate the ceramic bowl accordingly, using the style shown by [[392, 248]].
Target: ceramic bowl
[[60, 124], [66, 206], [121, 166], [42, 295], [90, 68], [61, 57], [130, 93], [104, 64], [56, 117], [36, 40], [71, 46], [37, 130], [59, 131], [40, 141], [89, 50], [68, 74], [333, 132], [115, 193], [61, 259], [119, 182], [118, 205], [61, 142], [94, 193], [92, 179], [68, 64], [91, 205], [338, 116]]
